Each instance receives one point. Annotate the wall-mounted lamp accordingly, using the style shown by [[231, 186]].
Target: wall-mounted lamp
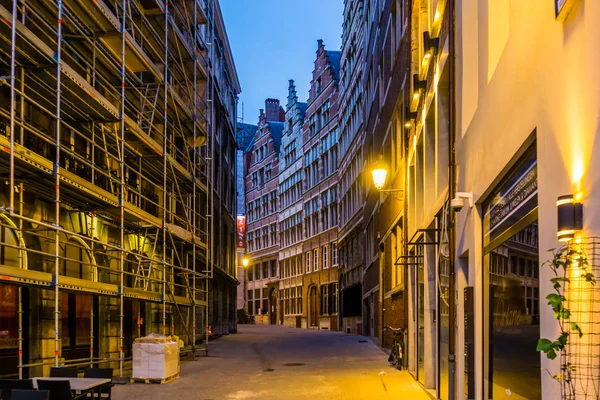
[[570, 217], [410, 116], [379, 173], [430, 44], [245, 261], [418, 84]]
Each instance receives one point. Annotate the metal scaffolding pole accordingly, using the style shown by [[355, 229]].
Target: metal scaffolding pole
[[13, 61], [20, 294], [122, 187], [211, 135], [165, 160], [194, 177], [57, 182]]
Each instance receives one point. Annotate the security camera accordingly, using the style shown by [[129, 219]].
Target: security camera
[[458, 202]]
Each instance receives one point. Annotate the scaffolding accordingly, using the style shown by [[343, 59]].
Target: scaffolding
[[106, 151]]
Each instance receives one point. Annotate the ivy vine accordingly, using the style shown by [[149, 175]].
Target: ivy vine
[[563, 264]]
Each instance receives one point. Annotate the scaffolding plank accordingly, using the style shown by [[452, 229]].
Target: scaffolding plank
[[83, 285], [45, 280], [140, 215], [25, 276], [184, 234], [45, 166], [139, 59]]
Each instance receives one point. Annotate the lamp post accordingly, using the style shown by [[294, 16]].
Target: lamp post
[[245, 261]]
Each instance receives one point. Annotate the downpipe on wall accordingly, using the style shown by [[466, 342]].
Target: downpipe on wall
[[452, 189]]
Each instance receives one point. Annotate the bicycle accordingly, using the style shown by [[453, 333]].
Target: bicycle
[[397, 352]]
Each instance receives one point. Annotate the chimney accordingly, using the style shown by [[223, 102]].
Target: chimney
[[272, 109], [320, 45]]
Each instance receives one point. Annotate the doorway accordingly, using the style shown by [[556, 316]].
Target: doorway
[[76, 324], [313, 309], [133, 323], [273, 307]]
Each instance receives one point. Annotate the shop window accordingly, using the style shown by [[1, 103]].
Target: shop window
[[511, 300]]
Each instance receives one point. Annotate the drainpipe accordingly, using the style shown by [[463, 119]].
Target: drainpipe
[[452, 193]]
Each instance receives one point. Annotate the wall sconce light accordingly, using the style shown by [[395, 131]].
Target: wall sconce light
[[418, 84], [570, 217], [430, 44], [245, 261], [379, 172], [410, 116]]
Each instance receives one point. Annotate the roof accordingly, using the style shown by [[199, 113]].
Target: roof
[[303, 107], [276, 129], [245, 134], [334, 59]]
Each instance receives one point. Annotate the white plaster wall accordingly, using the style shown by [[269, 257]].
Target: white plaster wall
[[539, 74]]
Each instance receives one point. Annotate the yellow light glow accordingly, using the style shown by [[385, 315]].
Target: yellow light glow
[[437, 16], [566, 235], [578, 170], [578, 197], [415, 142], [407, 125], [564, 201], [379, 175], [427, 56], [245, 261], [416, 95]]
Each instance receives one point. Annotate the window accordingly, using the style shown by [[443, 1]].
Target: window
[[329, 296], [324, 300], [268, 172], [308, 262], [316, 259], [334, 254], [257, 301], [397, 270], [325, 256]]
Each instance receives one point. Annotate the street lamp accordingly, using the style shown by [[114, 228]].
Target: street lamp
[[245, 261], [379, 173]]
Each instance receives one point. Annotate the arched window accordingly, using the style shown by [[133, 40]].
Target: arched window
[[9, 243], [78, 261]]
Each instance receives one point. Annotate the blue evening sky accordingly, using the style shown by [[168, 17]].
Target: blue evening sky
[[275, 40]]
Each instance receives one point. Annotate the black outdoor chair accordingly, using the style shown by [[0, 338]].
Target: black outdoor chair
[[59, 389], [21, 394], [63, 372], [8, 385], [103, 392]]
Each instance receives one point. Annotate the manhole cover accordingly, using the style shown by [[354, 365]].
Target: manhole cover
[[269, 370], [363, 341], [293, 364]]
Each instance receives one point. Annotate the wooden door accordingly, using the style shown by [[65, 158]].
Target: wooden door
[[313, 316], [273, 307]]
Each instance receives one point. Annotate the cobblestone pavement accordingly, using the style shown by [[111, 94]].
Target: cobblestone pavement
[[275, 362]]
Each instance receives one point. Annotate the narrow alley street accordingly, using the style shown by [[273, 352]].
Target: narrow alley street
[[275, 362]]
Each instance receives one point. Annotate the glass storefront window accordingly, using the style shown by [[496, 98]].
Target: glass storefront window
[[513, 321], [511, 285]]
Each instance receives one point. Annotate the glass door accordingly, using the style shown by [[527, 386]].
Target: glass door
[[420, 315]]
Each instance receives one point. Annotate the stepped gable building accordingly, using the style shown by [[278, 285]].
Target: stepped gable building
[[261, 166], [320, 148], [291, 211]]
